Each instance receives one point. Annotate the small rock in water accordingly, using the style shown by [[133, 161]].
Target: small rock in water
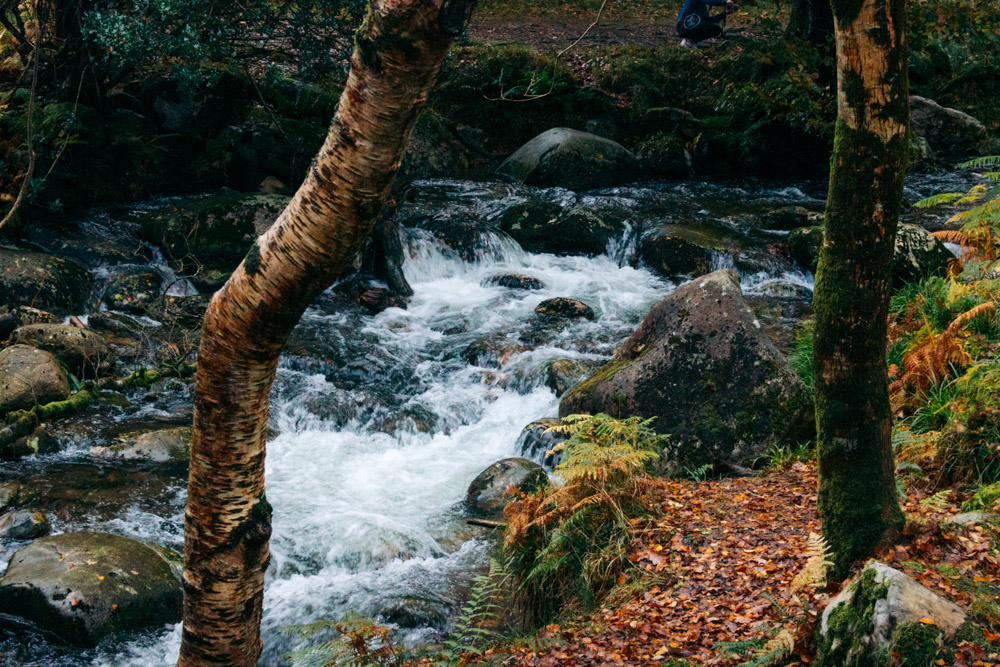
[[39, 441], [516, 281], [135, 291], [563, 308], [486, 496], [791, 217], [23, 525], [564, 373], [672, 256], [29, 376], [85, 586], [536, 441], [83, 351], [13, 495]]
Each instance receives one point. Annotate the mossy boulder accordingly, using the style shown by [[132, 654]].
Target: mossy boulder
[[570, 159], [206, 238], [544, 226], [561, 374], [701, 364], [14, 495], [486, 495], [84, 352], [23, 525], [917, 255], [29, 377], [85, 586], [38, 441], [42, 281], [951, 133], [885, 613]]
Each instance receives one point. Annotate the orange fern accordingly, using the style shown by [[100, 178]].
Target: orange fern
[[933, 358]]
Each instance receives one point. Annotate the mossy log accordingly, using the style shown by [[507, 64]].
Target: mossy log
[[22, 422]]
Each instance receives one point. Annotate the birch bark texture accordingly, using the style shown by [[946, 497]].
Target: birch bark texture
[[857, 493], [398, 52]]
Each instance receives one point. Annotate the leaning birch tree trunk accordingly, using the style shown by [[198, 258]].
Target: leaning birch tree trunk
[[398, 51], [857, 493]]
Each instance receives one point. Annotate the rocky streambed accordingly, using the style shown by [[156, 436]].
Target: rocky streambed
[[475, 309]]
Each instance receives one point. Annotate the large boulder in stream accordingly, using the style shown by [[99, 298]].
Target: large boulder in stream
[[544, 226], [487, 493], [883, 612], [917, 255], [570, 159], [207, 237], [29, 376], [84, 352], [85, 586], [949, 132], [42, 281], [701, 364]]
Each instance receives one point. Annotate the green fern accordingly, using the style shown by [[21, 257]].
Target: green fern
[[984, 162], [937, 502], [941, 199], [357, 642], [469, 635]]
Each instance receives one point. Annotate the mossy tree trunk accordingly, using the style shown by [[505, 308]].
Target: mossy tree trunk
[[857, 494], [398, 51]]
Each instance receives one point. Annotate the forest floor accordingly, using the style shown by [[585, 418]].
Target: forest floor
[[718, 565]]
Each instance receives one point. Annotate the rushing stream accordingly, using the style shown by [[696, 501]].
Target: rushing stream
[[379, 422]]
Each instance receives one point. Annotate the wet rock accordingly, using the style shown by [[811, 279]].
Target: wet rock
[[917, 255], [674, 256], [206, 238], [39, 441], [541, 226], [561, 374], [492, 350], [8, 322], [950, 132], [804, 244], [536, 441], [42, 281], [561, 308], [883, 611], [373, 295], [23, 525], [27, 315], [83, 351], [702, 366], [29, 376], [135, 291], [485, 497], [171, 445], [118, 324], [85, 586], [14, 495], [791, 217], [516, 281], [570, 159]]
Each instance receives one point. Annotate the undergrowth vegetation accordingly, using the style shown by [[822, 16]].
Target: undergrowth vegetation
[[565, 545]]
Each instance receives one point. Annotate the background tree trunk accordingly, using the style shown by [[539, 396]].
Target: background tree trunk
[[857, 493], [398, 51], [812, 20]]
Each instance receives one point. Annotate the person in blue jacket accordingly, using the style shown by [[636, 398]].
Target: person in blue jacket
[[695, 24]]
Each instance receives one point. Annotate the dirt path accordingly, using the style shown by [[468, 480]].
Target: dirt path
[[557, 33]]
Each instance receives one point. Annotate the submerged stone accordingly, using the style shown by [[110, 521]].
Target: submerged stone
[[85, 586]]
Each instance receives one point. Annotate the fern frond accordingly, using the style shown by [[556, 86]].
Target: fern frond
[[985, 161], [937, 502], [813, 573], [938, 199]]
